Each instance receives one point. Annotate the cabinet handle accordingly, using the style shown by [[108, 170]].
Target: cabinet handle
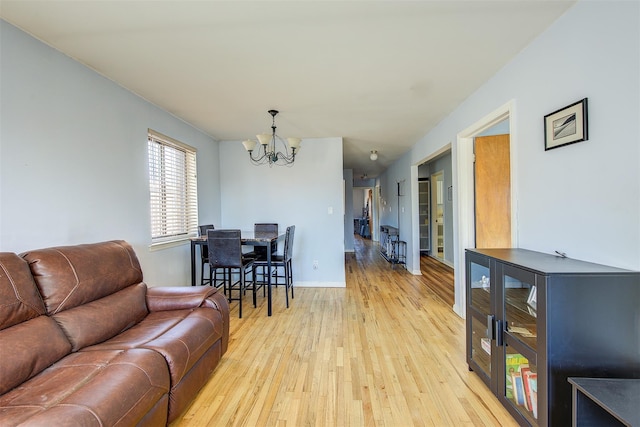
[[499, 333], [490, 327]]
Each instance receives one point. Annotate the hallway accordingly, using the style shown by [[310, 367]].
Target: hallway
[[436, 276]]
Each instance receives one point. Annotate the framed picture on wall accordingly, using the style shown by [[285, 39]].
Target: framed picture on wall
[[566, 126]]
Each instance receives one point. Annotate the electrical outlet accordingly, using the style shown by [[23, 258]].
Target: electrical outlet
[[315, 264]]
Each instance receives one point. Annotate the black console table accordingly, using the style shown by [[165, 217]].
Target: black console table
[[391, 247], [605, 402]]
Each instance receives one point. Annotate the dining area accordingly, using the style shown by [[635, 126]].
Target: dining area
[[240, 261]]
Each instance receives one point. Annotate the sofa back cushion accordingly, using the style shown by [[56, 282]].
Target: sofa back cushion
[[70, 276], [94, 291], [99, 320], [29, 340], [19, 298], [28, 348]]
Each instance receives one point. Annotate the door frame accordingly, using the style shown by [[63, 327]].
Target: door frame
[[414, 251], [463, 213]]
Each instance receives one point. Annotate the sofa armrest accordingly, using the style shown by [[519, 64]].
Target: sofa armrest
[[186, 297], [178, 298]]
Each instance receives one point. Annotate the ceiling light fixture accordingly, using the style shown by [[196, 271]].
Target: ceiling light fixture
[[269, 154], [374, 155]]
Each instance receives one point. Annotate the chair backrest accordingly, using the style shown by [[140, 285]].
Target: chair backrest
[[225, 248], [266, 227], [204, 228], [204, 251], [288, 243]]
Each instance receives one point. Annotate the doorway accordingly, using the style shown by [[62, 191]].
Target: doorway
[[465, 197], [364, 211], [492, 179], [433, 210]]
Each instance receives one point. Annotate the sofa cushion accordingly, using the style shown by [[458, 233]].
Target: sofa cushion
[[29, 341], [69, 276], [86, 388], [181, 336], [19, 297], [102, 319], [28, 348]]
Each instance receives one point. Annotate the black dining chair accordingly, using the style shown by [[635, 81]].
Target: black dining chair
[[283, 262], [225, 252], [260, 252], [204, 256]]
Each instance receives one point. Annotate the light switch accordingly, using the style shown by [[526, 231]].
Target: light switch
[[330, 210]]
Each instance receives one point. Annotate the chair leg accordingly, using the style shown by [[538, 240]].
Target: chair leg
[[241, 289], [290, 278], [226, 281], [253, 279], [286, 282]]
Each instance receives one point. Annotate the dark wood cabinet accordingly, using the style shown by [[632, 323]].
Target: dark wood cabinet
[[535, 319]]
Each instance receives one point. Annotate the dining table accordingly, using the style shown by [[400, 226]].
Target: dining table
[[247, 238]]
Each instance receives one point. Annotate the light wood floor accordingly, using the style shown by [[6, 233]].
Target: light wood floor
[[438, 277], [384, 351]]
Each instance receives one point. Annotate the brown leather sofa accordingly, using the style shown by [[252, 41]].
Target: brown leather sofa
[[84, 342]]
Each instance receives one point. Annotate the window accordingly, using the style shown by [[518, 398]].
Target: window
[[173, 189]]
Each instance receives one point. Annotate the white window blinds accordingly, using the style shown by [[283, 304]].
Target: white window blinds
[[173, 189]]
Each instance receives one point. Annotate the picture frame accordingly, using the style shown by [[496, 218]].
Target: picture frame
[[566, 126]]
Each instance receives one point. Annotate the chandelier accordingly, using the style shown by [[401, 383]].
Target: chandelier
[[269, 154]]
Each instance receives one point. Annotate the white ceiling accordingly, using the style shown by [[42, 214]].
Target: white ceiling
[[380, 74]]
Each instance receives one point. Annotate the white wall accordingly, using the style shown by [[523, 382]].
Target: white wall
[[73, 158], [349, 193], [582, 199], [301, 195], [358, 201]]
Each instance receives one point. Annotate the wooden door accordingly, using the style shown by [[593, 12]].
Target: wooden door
[[492, 192]]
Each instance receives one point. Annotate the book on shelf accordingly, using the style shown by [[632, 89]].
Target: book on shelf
[[521, 331], [518, 388], [530, 382], [513, 364], [524, 372]]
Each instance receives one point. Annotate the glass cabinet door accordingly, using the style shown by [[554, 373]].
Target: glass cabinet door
[[480, 318], [520, 305], [480, 284], [481, 346]]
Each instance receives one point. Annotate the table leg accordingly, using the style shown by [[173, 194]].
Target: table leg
[[193, 263], [269, 279]]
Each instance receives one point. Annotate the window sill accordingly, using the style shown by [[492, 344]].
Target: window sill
[[158, 246]]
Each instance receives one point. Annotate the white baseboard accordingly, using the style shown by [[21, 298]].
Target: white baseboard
[[458, 310]]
